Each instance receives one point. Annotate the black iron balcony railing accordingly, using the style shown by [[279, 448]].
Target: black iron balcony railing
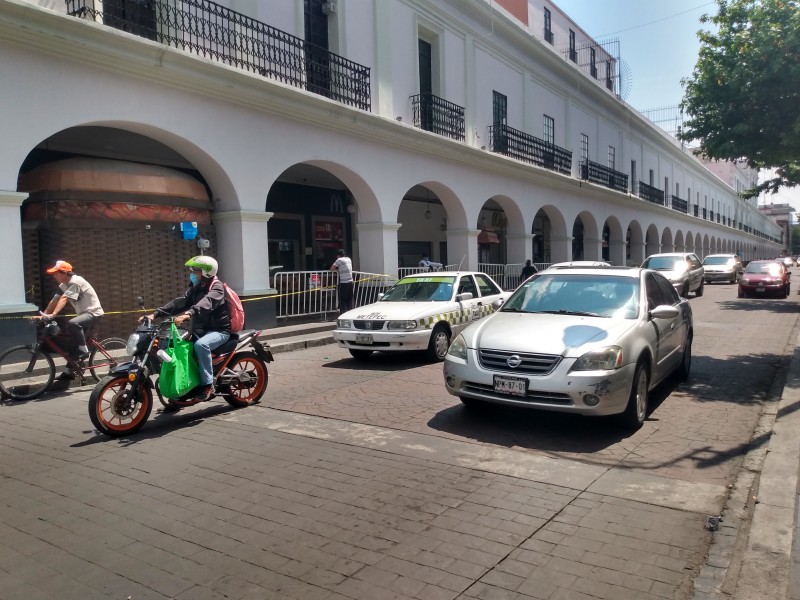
[[573, 55], [597, 173], [696, 210], [711, 215], [593, 71], [439, 116], [548, 36], [680, 205], [610, 83], [523, 146], [210, 30], [705, 213], [650, 193]]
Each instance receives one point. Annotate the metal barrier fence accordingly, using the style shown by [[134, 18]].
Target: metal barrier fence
[[406, 271], [306, 293]]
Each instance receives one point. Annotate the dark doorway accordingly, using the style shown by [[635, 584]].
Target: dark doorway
[[318, 68]]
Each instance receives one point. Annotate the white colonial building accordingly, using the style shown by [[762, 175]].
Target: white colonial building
[[468, 130]]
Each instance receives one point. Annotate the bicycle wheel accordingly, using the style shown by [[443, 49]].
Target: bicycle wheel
[[110, 353], [25, 373]]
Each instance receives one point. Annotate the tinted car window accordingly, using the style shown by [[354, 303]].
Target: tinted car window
[[486, 286], [655, 293], [668, 292], [467, 285]]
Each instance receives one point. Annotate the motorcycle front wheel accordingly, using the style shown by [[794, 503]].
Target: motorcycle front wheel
[[244, 380], [113, 413]]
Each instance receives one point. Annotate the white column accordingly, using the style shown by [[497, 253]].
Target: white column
[[519, 247], [462, 248], [12, 292], [637, 252], [377, 248], [561, 249], [592, 249], [242, 250], [616, 253]]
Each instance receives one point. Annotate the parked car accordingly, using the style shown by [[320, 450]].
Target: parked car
[[420, 312], [722, 267], [788, 262], [765, 278], [584, 341], [683, 269]]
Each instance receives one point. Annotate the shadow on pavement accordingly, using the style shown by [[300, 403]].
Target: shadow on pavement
[[382, 361]]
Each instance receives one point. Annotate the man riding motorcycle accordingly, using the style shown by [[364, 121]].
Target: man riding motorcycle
[[206, 304]]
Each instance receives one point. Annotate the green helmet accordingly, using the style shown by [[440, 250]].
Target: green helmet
[[205, 263]]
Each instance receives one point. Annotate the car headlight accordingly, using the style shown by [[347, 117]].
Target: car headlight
[[604, 359], [344, 324], [458, 348], [133, 344], [406, 325]]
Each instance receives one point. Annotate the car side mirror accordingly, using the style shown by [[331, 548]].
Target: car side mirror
[[464, 296], [381, 295], [498, 303], [664, 311]]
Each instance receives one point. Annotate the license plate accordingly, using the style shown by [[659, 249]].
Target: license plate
[[363, 338], [513, 386], [759, 289]]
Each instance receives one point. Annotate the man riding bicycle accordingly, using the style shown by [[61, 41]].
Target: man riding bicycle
[[206, 304], [83, 299]]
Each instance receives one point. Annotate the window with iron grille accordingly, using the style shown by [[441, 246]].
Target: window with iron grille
[[549, 130], [652, 178], [573, 53], [612, 157], [584, 147], [633, 177], [593, 62], [548, 30]]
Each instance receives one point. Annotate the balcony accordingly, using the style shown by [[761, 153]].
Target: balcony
[[680, 205], [525, 147], [438, 116], [650, 193], [213, 31], [597, 173]]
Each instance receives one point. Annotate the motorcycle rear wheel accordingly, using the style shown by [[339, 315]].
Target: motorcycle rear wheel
[[111, 413], [247, 366]]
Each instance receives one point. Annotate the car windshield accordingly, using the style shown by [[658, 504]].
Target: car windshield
[[769, 268], [421, 289], [718, 260], [561, 292], [665, 263]]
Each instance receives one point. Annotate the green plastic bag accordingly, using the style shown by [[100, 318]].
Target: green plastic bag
[[182, 375]]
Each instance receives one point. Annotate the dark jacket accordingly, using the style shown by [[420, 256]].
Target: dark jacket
[[207, 304], [527, 271]]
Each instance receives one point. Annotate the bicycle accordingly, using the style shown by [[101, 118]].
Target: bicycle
[[28, 371]]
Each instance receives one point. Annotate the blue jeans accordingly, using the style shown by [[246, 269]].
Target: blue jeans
[[202, 351]]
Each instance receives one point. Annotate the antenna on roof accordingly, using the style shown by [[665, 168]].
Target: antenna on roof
[[462, 262]]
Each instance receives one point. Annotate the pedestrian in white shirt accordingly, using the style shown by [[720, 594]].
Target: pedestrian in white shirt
[[344, 267]]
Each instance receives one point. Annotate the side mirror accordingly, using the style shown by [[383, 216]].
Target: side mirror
[[464, 296], [498, 303], [664, 311]]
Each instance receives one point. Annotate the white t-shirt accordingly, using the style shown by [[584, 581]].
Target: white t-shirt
[[81, 296], [344, 266]]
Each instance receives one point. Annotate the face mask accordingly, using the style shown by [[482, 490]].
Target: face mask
[[193, 278]]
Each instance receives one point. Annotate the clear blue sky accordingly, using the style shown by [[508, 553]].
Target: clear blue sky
[[658, 41]]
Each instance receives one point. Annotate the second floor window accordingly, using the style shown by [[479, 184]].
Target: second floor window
[[612, 158], [652, 178], [548, 29], [549, 130], [499, 109], [573, 52], [584, 148]]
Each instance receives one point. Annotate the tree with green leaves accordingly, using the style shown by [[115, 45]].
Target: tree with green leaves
[[743, 97]]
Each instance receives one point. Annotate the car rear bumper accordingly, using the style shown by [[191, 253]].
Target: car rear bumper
[[560, 390], [719, 275], [771, 289]]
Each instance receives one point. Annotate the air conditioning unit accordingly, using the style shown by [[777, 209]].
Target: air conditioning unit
[[329, 8]]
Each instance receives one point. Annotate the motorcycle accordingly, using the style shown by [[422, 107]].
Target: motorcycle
[[121, 402]]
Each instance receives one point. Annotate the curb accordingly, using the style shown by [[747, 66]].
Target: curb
[[279, 346]]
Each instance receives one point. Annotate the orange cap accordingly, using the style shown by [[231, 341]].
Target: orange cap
[[61, 265]]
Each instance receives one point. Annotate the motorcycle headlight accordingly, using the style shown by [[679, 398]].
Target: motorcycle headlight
[[406, 325], [458, 348], [133, 344], [344, 324], [604, 359]]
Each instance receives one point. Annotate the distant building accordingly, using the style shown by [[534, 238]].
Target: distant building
[[781, 215]]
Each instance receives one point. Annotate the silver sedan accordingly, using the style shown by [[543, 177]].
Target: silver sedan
[[584, 341]]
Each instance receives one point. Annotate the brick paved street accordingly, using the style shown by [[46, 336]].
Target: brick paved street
[[356, 481]]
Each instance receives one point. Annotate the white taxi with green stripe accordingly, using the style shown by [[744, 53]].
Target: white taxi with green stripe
[[420, 312]]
